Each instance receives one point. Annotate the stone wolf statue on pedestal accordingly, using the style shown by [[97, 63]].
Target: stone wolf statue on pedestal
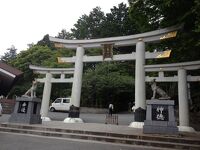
[[159, 91], [32, 90]]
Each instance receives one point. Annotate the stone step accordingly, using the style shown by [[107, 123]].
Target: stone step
[[152, 141], [166, 138]]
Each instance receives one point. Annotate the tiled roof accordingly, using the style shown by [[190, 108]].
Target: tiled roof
[[8, 77], [10, 69]]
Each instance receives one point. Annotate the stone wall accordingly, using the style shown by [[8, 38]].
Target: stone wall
[[7, 105], [93, 110]]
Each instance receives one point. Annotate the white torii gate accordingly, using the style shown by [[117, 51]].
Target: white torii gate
[[139, 40], [182, 80], [48, 80]]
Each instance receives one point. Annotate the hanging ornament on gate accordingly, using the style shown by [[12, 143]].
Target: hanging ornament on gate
[[107, 51]]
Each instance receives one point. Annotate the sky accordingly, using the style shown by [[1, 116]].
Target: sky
[[24, 22]]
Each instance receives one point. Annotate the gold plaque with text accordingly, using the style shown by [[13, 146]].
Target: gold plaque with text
[[165, 54], [169, 35], [58, 45]]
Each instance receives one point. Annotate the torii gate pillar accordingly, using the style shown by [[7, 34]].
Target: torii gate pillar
[[77, 83], [183, 101], [46, 97], [140, 94], [76, 88]]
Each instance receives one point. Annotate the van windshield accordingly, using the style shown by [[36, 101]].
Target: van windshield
[[57, 100]]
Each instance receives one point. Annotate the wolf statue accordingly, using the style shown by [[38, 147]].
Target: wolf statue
[[32, 91], [159, 91]]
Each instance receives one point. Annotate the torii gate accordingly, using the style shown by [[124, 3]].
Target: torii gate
[[182, 80], [140, 55], [48, 80]]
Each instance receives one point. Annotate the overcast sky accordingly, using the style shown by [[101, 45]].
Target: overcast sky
[[26, 21]]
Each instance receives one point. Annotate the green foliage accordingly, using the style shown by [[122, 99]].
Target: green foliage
[[196, 11], [144, 14], [46, 42], [11, 54], [99, 25], [107, 83], [153, 14], [118, 23], [39, 56], [89, 26], [65, 35]]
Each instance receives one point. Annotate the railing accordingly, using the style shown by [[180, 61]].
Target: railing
[[111, 119]]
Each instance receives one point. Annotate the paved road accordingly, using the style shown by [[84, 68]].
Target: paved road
[[123, 118], [11, 141]]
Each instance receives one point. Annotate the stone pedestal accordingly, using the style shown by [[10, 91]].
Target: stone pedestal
[[74, 112], [160, 117], [140, 115], [27, 110]]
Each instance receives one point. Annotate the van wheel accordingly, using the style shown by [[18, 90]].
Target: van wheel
[[52, 109]]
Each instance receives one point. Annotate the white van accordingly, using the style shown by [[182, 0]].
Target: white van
[[61, 104]]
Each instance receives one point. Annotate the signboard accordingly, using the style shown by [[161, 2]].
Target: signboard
[[165, 54], [23, 107], [160, 113], [169, 35], [107, 51], [58, 45]]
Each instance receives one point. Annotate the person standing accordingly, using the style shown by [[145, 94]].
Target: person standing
[[111, 107]]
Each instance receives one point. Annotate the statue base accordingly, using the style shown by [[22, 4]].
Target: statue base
[[186, 129], [140, 114], [73, 120], [74, 112], [136, 125], [160, 118], [27, 110], [45, 119]]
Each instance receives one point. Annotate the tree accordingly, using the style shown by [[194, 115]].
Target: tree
[[146, 14], [95, 20], [118, 23], [88, 27], [105, 83], [39, 56], [154, 14], [99, 25], [46, 42], [65, 35], [11, 54]]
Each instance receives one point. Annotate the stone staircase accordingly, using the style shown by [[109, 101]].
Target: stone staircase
[[180, 141]]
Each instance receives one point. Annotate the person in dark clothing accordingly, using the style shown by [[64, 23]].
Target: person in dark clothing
[[110, 108]]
